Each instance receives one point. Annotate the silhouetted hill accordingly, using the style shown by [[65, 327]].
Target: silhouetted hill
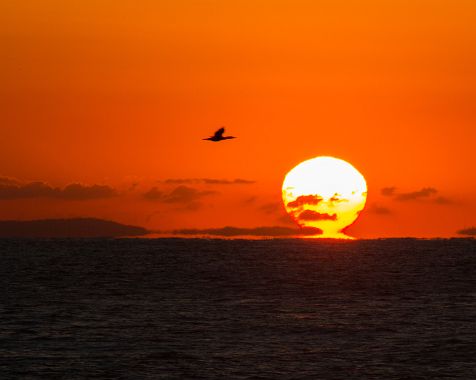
[[64, 228]]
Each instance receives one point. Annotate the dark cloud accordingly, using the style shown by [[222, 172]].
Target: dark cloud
[[12, 189], [237, 181], [186, 196], [133, 186], [302, 200], [424, 193], [241, 181], [336, 199], [379, 210], [28, 190], [77, 191], [415, 195], [8, 181], [277, 209], [250, 199], [208, 181], [180, 181], [388, 191], [154, 194], [467, 231], [272, 208], [444, 201], [286, 219], [310, 215], [275, 231]]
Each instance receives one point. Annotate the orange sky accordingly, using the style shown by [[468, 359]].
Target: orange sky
[[120, 93]]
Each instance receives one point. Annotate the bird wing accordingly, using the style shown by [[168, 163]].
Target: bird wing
[[220, 132]]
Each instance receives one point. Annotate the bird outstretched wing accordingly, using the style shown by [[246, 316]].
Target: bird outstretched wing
[[219, 133]]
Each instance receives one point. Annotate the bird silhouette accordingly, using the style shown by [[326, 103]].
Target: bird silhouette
[[218, 136]]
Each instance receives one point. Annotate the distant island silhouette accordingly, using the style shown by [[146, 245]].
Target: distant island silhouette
[[67, 228]]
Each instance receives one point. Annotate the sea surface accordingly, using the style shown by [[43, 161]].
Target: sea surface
[[238, 309]]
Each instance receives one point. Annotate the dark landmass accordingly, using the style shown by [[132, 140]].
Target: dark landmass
[[67, 228], [258, 231]]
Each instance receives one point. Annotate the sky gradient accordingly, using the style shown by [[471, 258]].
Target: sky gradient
[[104, 104]]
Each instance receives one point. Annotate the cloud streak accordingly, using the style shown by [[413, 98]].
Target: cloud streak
[[186, 196], [379, 210], [4, 181], [310, 215], [416, 195], [467, 231], [208, 181], [426, 193], [444, 201], [272, 208], [388, 191], [274, 231], [303, 200], [11, 189]]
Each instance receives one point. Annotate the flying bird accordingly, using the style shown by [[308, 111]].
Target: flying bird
[[218, 136]]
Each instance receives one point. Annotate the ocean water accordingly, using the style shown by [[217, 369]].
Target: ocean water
[[238, 309]]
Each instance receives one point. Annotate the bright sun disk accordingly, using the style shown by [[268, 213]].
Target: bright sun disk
[[324, 194]]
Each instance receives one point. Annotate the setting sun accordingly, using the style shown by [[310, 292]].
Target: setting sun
[[325, 193], [238, 189]]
